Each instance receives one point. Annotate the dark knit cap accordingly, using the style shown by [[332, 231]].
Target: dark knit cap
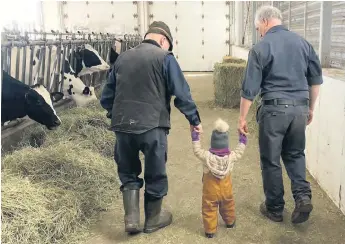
[[159, 27], [219, 140]]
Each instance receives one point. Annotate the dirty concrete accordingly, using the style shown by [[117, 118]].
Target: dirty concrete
[[326, 224]]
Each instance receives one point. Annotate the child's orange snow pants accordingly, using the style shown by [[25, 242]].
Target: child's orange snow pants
[[217, 192]]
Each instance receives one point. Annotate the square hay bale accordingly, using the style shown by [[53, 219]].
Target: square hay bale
[[227, 80], [234, 60]]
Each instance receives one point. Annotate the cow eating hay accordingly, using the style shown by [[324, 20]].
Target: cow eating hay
[[87, 126]]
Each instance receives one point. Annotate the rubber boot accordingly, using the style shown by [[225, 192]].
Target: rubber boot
[[155, 217], [132, 211]]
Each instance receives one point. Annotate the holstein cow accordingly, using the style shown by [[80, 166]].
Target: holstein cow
[[89, 61], [19, 100], [73, 86]]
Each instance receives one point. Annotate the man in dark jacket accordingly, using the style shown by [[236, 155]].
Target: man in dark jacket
[[286, 69], [137, 97]]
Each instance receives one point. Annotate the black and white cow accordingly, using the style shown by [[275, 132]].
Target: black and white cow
[[19, 100], [73, 86], [88, 61]]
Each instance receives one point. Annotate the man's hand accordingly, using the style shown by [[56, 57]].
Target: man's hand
[[242, 126], [310, 116], [197, 128]]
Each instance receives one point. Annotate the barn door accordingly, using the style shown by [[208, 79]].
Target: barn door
[[216, 32], [98, 16], [199, 30]]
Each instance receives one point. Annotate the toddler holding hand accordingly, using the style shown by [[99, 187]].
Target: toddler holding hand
[[218, 164]]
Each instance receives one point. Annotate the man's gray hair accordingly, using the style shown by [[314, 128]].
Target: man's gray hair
[[267, 12]]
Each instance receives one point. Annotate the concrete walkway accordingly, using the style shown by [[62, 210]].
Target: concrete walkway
[[326, 224]]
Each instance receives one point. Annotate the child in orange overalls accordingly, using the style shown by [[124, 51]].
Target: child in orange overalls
[[218, 163]]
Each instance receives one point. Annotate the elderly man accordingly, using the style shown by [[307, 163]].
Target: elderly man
[[286, 69], [137, 97]]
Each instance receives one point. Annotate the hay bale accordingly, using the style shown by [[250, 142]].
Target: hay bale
[[70, 167], [230, 59], [88, 126], [227, 79], [36, 212]]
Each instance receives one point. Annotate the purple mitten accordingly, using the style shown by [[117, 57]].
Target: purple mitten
[[195, 136], [243, 139]]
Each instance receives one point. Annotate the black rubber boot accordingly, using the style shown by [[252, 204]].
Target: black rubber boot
[[155, 217], [302, 211], [209, 235], [132, 211]]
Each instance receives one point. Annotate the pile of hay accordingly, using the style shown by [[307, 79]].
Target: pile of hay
[[66, 185], [87, 126], [37, 213], [58, 181], [227, 80]]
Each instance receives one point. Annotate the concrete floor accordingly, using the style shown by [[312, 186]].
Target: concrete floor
[[326, 224]]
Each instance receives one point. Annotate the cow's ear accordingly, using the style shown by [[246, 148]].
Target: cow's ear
[[56, 96]]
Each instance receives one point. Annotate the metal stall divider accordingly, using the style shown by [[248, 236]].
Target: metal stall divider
[[49, 73]]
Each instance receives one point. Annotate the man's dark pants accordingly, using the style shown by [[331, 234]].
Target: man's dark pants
[[153, 144], [282, 134]]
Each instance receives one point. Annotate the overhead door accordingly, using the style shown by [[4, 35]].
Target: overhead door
[[200, 31], [111, 16]]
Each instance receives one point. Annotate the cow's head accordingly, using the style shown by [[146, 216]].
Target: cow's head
[[86, 57], [40, 107]]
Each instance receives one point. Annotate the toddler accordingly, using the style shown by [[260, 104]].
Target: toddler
[[218, 163]]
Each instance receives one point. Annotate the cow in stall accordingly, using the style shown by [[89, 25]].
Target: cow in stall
[[19, 100], [89, 61], [73, 86]]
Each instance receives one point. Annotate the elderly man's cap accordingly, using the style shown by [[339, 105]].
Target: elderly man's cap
[[159, 27]]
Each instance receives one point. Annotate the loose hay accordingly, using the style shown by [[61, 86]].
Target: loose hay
[[66, 184], [36, 212], [70, 167], [227, 81], [88, 126]]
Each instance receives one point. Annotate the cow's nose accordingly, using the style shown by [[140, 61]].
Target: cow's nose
[[57, 122]]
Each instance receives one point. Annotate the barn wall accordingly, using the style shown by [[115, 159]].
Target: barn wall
[[325, 147], [325, 150]]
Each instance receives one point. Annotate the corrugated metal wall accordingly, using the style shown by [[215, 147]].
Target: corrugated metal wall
[[313, 24], [303, 17], [338, 35]]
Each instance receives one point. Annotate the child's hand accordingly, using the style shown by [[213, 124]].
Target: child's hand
[[243, 139], [195, 135]]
